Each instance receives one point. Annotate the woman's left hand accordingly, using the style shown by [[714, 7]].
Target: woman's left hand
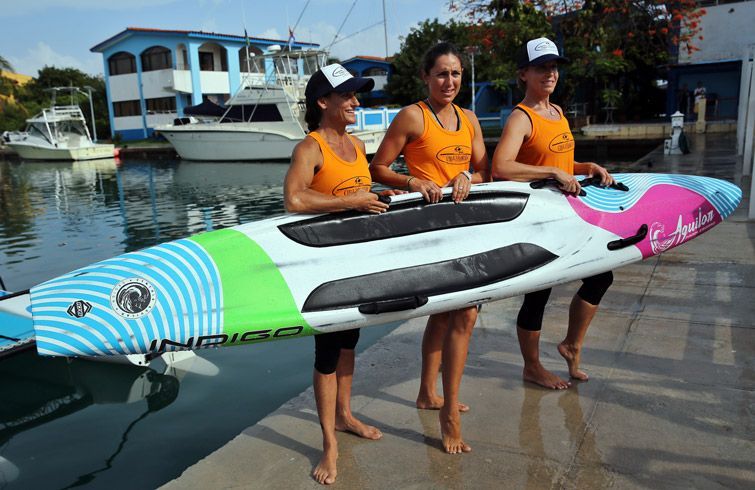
[[461, 185], [597, 171]]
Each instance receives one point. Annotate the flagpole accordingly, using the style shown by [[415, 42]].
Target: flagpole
[[385, 30]]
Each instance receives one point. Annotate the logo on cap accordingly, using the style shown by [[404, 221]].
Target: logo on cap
[[543, 46]]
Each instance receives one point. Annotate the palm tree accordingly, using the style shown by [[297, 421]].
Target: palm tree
[[5, 64]]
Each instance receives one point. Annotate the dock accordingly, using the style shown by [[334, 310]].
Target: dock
[[668, 405]]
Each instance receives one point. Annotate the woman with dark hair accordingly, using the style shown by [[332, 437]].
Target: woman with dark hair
[[526, 152], [329, 172], [441, 143]]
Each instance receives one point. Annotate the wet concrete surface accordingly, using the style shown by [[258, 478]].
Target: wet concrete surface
[[669, 403]]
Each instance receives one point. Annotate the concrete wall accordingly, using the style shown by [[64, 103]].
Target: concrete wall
[[726, 29]]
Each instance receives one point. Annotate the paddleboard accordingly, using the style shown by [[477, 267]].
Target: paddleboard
[[297, 275]]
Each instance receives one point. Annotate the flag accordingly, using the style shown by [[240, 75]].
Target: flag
[[291, 38]]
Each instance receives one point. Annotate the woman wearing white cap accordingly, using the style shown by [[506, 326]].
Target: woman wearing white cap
[[329, 173], [537, 143]]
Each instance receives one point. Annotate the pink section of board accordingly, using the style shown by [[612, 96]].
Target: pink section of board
[[673, 214]]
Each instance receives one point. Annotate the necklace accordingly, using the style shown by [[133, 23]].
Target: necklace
[[458, 119], [553, 112]]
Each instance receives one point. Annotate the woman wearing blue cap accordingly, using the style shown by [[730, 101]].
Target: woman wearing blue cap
[[329, 173], [537, 143]]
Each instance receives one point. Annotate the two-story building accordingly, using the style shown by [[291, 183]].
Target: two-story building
[[151, 75]]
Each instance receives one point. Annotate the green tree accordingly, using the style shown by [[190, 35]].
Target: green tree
[[34, 93], [405, 86], [614, 45]]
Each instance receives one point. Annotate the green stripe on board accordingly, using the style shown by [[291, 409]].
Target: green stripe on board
[[256, 298]]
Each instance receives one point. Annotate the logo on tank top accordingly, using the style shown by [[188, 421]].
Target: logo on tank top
[[455, 155], [352, 185], [562, 143]]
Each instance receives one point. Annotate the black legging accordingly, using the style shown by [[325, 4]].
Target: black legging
[[531, 313], [328, 348]]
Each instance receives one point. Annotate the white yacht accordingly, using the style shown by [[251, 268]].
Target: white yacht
[[264, 120], [59, 132]]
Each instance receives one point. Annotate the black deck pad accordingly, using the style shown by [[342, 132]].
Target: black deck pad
[[443, 277], [406, 218]]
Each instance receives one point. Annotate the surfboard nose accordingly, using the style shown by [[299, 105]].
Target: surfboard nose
[[723, 195]]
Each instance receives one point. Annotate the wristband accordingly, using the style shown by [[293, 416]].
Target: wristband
[[467, 174], [408, 182]]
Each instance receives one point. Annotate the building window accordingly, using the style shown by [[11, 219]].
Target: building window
[[156, 58], [375, 72], [206, 61], [161, 105], [127, 108], [122, 63]]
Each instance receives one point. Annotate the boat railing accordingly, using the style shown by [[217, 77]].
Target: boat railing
[[373, 119]]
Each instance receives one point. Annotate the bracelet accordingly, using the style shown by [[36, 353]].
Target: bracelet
[[407, 183], [467, 174]]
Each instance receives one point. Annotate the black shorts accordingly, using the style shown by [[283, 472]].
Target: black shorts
[[531, 313], [328, 348]]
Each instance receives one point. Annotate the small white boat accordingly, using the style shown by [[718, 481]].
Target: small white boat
[[59, 132], [264, 120]]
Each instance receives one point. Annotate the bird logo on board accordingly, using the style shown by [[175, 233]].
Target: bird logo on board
[[79, 309], [455, 155], [562, 143], [352, 185], [133, 298]]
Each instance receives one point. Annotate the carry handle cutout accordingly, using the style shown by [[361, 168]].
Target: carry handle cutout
[[619, 186], [539, 184], [400, 304], [625, 242]]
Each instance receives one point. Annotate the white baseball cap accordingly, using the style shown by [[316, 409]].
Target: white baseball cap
[[335, 78], [538, 51]]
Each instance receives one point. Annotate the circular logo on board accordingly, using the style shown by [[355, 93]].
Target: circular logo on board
[[133, 298]]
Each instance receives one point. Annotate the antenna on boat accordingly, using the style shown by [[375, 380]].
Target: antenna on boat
[[341, 26], [91, 111]]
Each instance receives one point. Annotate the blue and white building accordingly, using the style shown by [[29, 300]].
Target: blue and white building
[[151, 75], [379, 69]]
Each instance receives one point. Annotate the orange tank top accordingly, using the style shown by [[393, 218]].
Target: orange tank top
[[337, 177], [550, 144], [438, 154]]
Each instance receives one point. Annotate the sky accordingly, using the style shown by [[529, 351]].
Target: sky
[[35, 33]]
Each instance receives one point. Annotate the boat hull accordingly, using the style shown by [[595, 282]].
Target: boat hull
[[233, 145], [32, 152]]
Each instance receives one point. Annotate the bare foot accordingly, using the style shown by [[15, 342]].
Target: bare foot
[[325, 472], [436, 403], [571, 355], [536, 373], [450, 432], [351, 424]]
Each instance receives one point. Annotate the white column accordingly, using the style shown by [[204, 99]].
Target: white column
[[747, 160], [744, 94]]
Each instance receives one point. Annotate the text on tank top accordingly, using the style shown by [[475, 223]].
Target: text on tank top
[[337, 177], [550, 144], [438, 154]]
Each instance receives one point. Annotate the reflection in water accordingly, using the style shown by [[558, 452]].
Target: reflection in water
[[35, 391], [581, 438], [56, 217]]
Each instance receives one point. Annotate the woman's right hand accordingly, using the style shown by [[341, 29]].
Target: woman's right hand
[[366, 201], [429, 189], [567, 182]]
